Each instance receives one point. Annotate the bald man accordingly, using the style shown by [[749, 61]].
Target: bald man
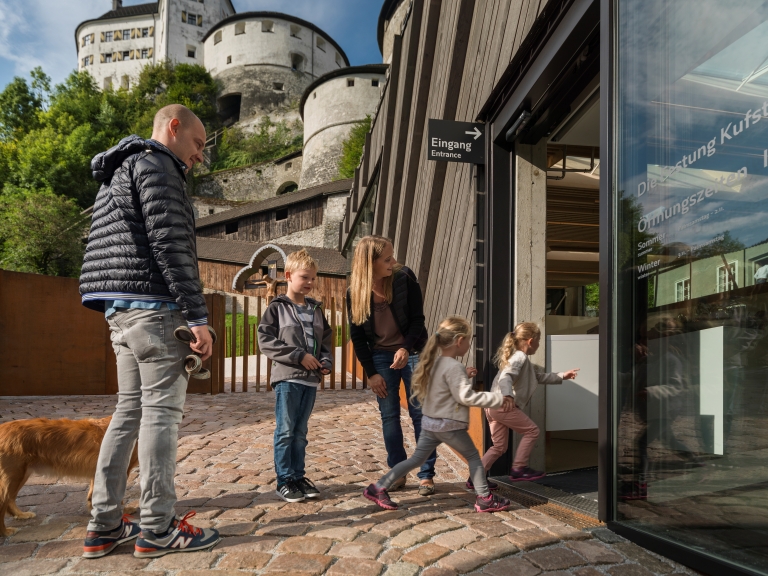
[[140, 270]]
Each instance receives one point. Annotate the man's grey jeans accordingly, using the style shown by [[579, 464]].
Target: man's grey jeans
[[152, 387]]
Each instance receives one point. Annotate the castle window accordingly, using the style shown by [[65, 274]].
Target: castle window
[[217, 37], [191, 18], [145, 32], [288, 165], [86, 39], [230, 227], [108, 83], [126, 54], [267, 26], [229, 59], [339, 60], [314, 95], [350, 82], [278, 86], [297, 62], [126, 34], [108, 36], [281, 214], [239, 28], [86, 61], [145, 53], [374, 83], [320, 43], [125, 82], [107, 58], [190, 51], [295, 30], [210, 211]]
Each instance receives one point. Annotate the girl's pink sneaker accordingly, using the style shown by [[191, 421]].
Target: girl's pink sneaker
[[379, 496], [525, 474]]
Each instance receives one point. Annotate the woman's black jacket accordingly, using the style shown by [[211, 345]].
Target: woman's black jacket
[[408, 310]]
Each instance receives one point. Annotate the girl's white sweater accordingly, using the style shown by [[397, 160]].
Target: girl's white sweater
[[450, 393], [519, 379]]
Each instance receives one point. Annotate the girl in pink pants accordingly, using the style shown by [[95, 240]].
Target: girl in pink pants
[[517, 378]]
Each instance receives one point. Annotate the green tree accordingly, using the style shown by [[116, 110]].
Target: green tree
[[41, 233], [19, 108], [269, 141], [352, 149]]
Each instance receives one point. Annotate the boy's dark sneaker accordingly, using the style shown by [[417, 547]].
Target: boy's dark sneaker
[[307, 488], [180, 537], [470, 486], [290, 492], [98, 544], [379, 496], [491, 503], [525, 474]]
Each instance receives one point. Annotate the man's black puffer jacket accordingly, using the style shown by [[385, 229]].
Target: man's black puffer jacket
[[142, 238]]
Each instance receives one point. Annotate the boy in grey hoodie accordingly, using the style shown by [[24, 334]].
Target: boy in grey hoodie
[[295, 336]]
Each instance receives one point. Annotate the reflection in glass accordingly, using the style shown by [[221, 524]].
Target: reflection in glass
[[691, 272]]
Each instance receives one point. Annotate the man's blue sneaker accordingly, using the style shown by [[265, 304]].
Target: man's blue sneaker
[[180, 537], [98, 544]]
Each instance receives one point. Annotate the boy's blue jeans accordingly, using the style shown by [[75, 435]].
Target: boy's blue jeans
[[390, 411], [293, 406]]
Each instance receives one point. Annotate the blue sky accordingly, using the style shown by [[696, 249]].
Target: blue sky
[[41, 32]]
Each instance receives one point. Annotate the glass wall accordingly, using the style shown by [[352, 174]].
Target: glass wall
[[691, 244]]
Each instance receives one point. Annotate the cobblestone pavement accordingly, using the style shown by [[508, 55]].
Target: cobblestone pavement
[[225, 473]]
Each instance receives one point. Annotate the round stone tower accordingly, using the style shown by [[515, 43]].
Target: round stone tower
[[264, 62], [330, 107], [391, 19]]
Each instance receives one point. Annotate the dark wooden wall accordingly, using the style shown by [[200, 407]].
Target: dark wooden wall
[[219, 276], [263, 226], [444, 65]]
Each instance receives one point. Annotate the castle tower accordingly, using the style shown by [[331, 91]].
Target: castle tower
[[330, 107], [115, 46], [391, 20], [264, 62]]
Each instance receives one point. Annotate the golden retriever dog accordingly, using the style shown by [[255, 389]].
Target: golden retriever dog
[[57, 448]]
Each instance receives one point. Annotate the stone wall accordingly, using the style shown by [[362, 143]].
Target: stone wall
[[335, 208], [330, 112], [248, 183], [392, 28], [269, 70]]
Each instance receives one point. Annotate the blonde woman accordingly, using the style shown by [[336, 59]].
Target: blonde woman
[[386, 319], [442, 387]]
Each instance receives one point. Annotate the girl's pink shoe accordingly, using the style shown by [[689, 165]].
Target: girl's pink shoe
[[525, 474], [379, 496]]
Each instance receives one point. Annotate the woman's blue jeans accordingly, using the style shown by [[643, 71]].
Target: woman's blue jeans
[[390, 411]]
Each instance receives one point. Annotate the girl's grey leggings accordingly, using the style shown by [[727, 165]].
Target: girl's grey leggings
[[459, 440]]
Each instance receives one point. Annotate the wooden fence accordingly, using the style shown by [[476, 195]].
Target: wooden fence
[[50, 344], [242, 349]]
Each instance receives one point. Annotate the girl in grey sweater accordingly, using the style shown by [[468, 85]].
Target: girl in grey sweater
[[441, 386]]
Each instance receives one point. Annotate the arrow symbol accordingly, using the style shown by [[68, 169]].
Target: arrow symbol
[[476, 133]]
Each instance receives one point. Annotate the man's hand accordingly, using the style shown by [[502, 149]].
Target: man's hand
[[310, 362], [471, 372], [509, 404], [401, 359], [571, 374], [378, 386], [203, 343]]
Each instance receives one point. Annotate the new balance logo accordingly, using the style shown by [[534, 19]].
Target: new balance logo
[[182, 542], [127, 529]]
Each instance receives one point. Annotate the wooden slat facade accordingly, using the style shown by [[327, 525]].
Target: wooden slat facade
[[219, 275], [444, 65], [264, 226]]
